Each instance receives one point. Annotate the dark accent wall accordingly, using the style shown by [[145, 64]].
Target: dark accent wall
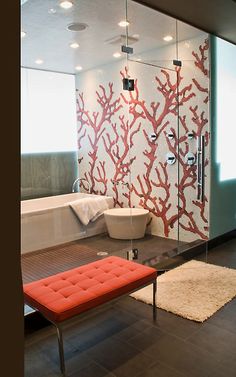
[[47, 174]]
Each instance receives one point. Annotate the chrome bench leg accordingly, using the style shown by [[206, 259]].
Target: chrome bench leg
[[61, 350], [154, 300]]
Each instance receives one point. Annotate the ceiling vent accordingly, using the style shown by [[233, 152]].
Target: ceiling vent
[[121, 40]]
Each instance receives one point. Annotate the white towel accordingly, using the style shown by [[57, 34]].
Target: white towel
[[89, 209]]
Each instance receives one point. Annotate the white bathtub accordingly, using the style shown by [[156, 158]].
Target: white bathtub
[[50, 221]]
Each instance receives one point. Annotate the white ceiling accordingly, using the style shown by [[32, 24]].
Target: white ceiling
[[47, 36]]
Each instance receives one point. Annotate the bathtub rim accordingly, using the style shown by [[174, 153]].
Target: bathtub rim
[[126, 212]]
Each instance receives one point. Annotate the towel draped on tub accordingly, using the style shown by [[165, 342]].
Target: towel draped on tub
[[89, 209]]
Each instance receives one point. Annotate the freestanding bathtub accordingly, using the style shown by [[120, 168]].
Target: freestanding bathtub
[[49, 221], [126, 223]]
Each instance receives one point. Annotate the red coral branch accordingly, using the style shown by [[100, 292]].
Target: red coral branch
[[94, 125], [198, 119], [202, 206], [201, 62], [118, 150], [201, 59], [201, 89], [102, 177]]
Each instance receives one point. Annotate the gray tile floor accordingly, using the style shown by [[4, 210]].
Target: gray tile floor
[[120, 339]]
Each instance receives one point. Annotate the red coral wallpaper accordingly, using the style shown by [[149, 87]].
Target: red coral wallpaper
[[116, 155]]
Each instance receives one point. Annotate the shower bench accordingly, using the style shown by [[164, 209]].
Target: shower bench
[[64, 295]]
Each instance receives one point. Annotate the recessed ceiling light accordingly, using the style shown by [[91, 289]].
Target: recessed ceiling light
[[74, 45], [66, 4], [39, 61], [117, 55], [78, 68], [168, 38], [52, 11], [123, 23], [23, 34]]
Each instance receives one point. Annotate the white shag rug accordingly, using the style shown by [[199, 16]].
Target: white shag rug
[[195, 290]]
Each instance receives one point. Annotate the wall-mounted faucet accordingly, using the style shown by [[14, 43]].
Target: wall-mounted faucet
[[79, 180]]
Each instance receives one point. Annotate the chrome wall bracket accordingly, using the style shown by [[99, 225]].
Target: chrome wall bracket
[[127, 49], [128, 84], [177, 63]]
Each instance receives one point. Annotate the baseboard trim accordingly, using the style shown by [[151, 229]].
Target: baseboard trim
[[221, 239]]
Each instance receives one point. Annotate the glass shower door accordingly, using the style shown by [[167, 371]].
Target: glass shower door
[[153, 121], [194, 142], [166, 152]]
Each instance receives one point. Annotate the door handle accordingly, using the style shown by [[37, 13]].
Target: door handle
[[200, 167]]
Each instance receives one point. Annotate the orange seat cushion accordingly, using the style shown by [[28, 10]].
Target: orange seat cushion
[[69, 293]]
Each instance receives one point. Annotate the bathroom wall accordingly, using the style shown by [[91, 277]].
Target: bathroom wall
[[47, 174], [115, 154], [223, 191]]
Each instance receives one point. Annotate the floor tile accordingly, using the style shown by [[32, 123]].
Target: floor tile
[[225, 317], [214, 339], [92, 370], [160, 370], [176, 353], [120, 358]]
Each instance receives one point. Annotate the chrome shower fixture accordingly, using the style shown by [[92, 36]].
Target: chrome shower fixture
[[153, 137]]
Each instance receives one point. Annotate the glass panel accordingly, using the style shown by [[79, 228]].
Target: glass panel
[[99, 162], [153, 120], [152, 36], [168, 104], [194, 138], [131, 142]]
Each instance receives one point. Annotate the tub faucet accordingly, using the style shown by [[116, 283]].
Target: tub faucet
[[79, 180]]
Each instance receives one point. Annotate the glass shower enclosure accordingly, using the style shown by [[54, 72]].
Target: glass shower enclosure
[[168, 106]]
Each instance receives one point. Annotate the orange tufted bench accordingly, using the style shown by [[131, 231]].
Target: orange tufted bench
[[67, 294]]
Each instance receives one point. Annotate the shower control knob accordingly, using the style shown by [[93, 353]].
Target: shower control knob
[[170, 158], [190, 135], [153, 137], [190, 158], [170, 135]]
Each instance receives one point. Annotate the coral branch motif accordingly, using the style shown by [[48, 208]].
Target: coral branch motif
[[201, 62], [155, 194], [117, 145], [95, 125]]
